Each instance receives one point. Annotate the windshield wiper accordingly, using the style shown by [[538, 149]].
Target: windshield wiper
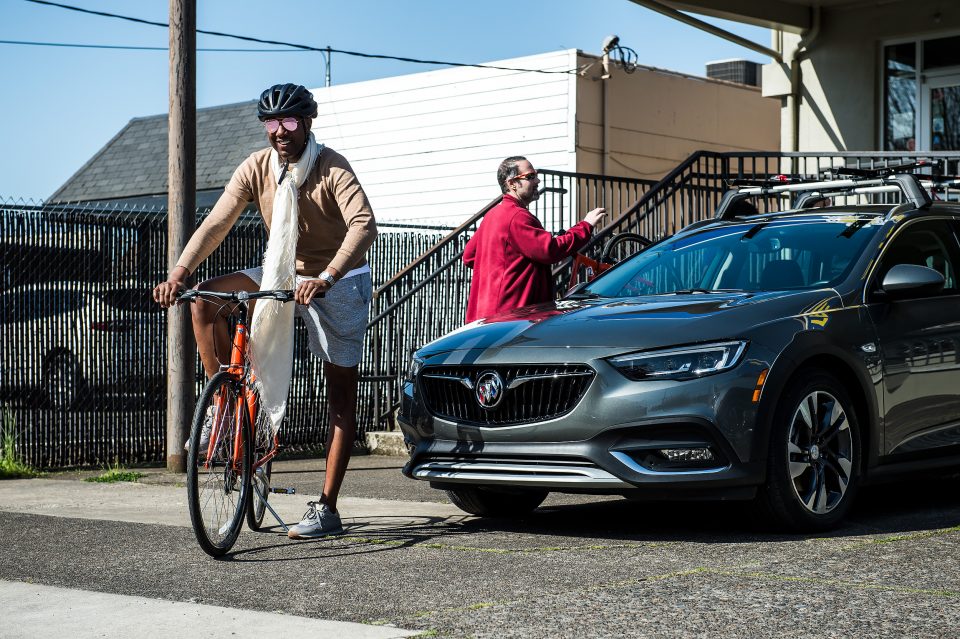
[[689, 291], [582, 296], [749, 235], [853, 228]]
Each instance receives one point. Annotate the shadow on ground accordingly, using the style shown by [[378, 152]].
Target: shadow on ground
[[888, 510]]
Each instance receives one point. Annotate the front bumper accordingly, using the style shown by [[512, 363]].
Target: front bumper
[[610, 443]]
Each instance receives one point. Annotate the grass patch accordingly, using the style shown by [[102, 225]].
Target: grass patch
[[11, 466], [116, 473]]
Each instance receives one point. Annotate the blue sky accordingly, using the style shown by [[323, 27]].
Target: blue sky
[[61, 105]]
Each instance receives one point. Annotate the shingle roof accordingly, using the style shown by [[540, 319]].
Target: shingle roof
[[134, 162]]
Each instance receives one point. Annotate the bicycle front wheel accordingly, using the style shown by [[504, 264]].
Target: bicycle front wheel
[[218, 466]]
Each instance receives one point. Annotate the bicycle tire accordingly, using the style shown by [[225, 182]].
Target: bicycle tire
[[218, 493], [262, 439]]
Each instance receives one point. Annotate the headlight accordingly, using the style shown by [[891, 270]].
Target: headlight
[[680, 363], [415, 365]]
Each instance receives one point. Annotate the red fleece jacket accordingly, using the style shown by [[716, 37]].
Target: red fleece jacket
[[510, 255]]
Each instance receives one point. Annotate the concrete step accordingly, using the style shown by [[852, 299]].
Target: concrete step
[[386, 442]]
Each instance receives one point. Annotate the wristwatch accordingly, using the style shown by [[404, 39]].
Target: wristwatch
[[326, 277]]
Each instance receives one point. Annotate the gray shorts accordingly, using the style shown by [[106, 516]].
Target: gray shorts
[[337, 321]]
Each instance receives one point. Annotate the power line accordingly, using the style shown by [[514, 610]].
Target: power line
[[305, 47], [136, 48]]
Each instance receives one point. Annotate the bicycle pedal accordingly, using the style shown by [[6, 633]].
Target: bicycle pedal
[[284, 491]]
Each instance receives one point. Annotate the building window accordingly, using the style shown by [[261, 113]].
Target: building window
[[900, 96], [941, 52]]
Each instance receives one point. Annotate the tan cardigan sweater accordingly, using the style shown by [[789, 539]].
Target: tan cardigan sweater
[[336, 222]]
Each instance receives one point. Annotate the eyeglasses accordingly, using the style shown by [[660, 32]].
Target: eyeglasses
[[529, 175], [289, 124]]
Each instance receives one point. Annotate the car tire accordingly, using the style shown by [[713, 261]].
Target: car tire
[[814, 459], [63, 382], [491, 502]]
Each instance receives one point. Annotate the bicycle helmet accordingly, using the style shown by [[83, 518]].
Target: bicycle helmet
[[282, 100]]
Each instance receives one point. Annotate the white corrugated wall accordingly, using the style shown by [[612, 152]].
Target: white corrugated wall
[[426, 146]]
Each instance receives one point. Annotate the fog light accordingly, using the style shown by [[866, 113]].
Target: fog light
[[687, 454]]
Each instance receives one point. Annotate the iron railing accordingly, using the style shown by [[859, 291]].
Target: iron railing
[[428, 297], [692, 191]]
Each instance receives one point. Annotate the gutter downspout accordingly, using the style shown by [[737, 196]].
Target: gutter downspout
[[796, 82]]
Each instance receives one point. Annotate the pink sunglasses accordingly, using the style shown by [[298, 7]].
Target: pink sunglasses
[[289, 124]]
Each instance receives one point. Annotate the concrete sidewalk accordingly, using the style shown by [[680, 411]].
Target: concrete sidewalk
[[160, 498], [81, 614]]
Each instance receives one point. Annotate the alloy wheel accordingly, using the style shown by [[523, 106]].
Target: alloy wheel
[[820, 450]]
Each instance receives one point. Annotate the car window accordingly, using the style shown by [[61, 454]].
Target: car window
[[754, 256], [138, 300], [930, 243], [22, 306]]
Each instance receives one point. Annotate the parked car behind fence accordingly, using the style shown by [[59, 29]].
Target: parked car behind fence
[[69, 344]]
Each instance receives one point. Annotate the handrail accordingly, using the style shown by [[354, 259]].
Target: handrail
[[403, 298], [459, 230], [443, 242], [654, 192]]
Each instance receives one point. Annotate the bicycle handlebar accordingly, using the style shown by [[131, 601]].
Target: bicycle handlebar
[[239, 296]]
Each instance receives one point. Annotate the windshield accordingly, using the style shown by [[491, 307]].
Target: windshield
[[753, 256]]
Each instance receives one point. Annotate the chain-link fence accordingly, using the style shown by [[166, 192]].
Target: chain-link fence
[[82, 373]]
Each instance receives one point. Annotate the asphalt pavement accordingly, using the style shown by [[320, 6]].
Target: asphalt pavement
[[121, 560]]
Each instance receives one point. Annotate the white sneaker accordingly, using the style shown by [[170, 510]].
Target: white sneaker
[[318, 521], [205, 433]]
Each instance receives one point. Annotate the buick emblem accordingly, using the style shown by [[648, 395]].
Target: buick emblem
[[489, 389]]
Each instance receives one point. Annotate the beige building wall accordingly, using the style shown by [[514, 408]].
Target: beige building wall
[[841, 107], [656, 118]]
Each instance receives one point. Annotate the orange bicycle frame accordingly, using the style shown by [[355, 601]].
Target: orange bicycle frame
[[248, 400]]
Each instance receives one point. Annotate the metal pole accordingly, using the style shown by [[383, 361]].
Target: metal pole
[[327, 76], [181, 222]]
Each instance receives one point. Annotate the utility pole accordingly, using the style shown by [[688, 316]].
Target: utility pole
[[181, 222], [326, 77]]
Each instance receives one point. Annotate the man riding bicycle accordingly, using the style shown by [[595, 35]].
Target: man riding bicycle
[[320, 226]]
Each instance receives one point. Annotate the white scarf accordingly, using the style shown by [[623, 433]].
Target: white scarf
[[271, 330]]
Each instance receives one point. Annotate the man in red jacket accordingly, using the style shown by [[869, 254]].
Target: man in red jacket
[[511, 253]]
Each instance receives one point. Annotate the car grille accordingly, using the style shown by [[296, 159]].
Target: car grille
[[530, 393]]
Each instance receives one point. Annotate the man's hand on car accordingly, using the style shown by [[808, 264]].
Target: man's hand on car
[[594, 216]]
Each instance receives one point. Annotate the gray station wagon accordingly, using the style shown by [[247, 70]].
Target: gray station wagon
[[787, 357]]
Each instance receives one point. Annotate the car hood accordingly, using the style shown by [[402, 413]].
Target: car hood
[[636, 323]]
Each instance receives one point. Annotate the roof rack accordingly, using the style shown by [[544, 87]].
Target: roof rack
[[881, 180], [881, 171]]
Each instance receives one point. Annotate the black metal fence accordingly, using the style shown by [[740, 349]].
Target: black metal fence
[[83, 347], [82, 371]]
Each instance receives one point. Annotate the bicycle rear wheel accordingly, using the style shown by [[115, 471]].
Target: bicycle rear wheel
[[262, 445], [218, 487]]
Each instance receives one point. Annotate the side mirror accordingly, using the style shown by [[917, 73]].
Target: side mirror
[[909, 280]]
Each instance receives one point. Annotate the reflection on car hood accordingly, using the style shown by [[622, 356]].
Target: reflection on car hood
[[636, 323]]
